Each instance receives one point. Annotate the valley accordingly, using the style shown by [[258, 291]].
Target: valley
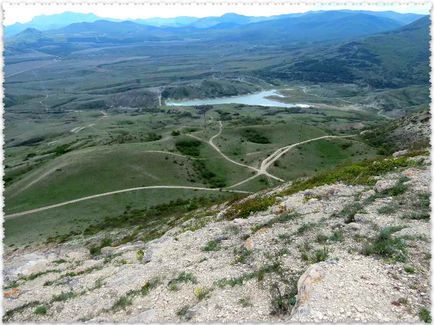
[[252, 150]]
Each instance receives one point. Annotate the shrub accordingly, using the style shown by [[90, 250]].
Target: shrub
[[211, 246], [201, 293], [153, 137], [245, 208], [40, 310], [140, 254], [425, 315], [189, 147], [254, 136], [409, 269], [148, 286]]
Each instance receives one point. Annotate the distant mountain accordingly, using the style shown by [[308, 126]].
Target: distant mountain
[[315, 26], [393, 59], [167, 22], [56, 21], [229, 19], [299, 29], [404, 18], [47, 22]]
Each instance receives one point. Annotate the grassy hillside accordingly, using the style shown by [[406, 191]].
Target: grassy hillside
[[393, 59]]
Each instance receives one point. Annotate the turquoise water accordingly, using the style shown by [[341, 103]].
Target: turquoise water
[[258, 99]]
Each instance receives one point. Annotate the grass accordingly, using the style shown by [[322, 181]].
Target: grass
[[184, 313], [245, 302], [399, 188], [95, 250], [242, 255], [322, 155], [33, 276], [388, 209], [63, 296], [424, 200], [417, 215], [286, 217], [386, 246], [183, 277], [349, 211], [337, 235], [316, 256], [305, 228], [282, 301], [425, 315], [80, 167], [127, 299], [258, 274], [123, 302], [360, 173], [211, 246], [320, 255]]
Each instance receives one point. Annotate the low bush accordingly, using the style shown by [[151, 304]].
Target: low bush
[[40, 310], [211, 246], [245, 208]]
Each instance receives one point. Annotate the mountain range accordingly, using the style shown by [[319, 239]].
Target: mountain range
[[390, 59], [56, 21], [287, 29]]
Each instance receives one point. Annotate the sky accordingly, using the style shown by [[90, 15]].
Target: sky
[[21, 12]]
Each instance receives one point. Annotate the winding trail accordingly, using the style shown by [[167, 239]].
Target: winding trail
[[132, 189], [212, 144], [265, 164]]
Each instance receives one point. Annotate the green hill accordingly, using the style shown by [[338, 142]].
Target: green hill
[[393, 59]]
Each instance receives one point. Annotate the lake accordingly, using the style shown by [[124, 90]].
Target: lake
[[258, 99]]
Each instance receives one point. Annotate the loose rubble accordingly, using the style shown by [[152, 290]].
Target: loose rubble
[[304, 259]]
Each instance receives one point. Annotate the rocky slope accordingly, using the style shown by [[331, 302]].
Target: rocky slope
[[333, 252]]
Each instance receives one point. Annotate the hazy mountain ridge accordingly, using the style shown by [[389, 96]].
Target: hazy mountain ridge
[[57, 21], [288, 29], [390, 59]]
